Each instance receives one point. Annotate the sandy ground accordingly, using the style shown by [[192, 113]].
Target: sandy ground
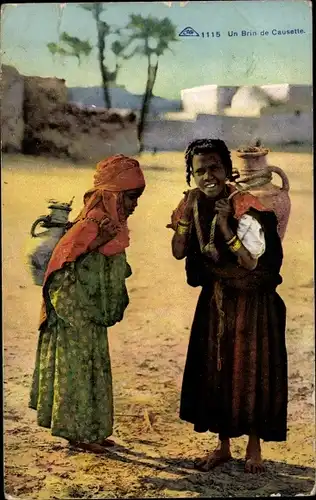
[[148, 351]]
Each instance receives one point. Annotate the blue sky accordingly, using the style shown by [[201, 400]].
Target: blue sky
[[243, 60]]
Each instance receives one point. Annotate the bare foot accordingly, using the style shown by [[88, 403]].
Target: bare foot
[[217, 457], [254, 463]]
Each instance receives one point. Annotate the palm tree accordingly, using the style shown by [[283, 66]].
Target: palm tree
[[118, 49], [78, 48], [103, 30], [74, 47], [153, 37]]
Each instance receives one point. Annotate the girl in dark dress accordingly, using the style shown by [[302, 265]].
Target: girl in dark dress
[[235, 378]]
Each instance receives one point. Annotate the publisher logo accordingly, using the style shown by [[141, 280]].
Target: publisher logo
[[188, 31]]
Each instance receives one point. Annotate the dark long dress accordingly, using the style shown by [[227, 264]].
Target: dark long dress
[[249, 393]]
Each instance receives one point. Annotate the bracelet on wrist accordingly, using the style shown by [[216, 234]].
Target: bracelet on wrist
[[184, 223], [229, 242], [182, 230], [235, 245]]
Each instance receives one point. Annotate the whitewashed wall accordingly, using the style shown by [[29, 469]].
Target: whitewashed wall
[[207, 99], [224, 96], [240, 131], [270, 129], [249, 101], [213, 99], [296, 95], [282, 129], [168, 135], [201, 99], [208, 126]]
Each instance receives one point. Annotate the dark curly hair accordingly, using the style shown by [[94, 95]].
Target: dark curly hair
[[205, 146]]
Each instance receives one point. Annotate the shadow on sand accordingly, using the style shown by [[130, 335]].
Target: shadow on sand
[[224, 481]]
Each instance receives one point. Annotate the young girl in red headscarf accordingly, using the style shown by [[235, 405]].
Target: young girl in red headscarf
[[84, 293]]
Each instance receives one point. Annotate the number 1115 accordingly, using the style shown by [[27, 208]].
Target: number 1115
[[210, 34]]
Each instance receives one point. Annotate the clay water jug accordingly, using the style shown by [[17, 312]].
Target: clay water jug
[[56, 224], [254, 166]]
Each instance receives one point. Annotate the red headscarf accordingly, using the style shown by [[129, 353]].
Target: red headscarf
[[102, 215]]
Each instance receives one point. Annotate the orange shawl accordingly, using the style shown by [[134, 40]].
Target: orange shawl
[[102, 215]]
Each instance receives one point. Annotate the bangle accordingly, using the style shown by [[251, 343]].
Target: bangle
[[235, 246], [229, 242], [184, 223], [181, 230], [104, 220]]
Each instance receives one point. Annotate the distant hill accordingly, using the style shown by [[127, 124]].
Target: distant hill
[[121, 98]]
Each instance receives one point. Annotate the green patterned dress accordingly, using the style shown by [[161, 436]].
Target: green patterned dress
[[72, 381]]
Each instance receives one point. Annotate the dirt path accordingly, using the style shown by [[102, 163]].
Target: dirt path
[[148, 352]]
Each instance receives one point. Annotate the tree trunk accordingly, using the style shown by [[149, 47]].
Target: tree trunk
[[106, 93], [112, 75], [103, 70], [151, 78], [143, 112]]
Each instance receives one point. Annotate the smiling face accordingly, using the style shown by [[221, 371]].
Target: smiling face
[[209, 173], [130, 200]]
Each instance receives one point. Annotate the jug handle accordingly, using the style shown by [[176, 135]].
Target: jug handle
[[42, 218], [285, 180]]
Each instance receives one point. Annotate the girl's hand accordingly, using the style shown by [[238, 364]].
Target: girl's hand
[[224, 209]]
